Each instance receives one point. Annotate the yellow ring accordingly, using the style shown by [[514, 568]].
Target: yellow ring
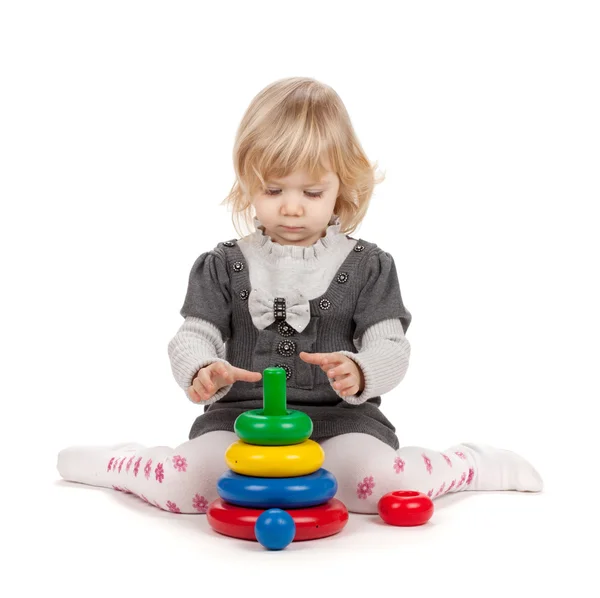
[[275, 461]]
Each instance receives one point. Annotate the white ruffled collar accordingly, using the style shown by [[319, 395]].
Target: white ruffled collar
[[275, 252]]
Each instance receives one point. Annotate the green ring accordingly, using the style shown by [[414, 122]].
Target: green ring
[[254, 427]]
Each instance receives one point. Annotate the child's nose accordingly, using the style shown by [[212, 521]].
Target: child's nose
[[292, 207]]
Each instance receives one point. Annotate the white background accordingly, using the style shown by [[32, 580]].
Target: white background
[[117, 123]]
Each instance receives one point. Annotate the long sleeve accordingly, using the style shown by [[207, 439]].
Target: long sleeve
[[383, 357], [381, 321], [198, 343], [207, 311]]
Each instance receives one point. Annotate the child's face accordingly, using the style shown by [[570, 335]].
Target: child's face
[[297, 201]]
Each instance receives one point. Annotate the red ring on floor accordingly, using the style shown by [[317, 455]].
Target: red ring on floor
[[312, 523], [405, 508]]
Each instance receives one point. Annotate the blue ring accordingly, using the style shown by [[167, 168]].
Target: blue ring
[[284, 493]]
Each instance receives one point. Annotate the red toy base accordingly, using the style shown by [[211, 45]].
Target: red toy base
[[312, 523], [405, 508]]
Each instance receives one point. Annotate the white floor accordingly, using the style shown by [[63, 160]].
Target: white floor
[[489, 544]]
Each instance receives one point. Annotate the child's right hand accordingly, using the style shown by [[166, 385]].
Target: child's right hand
[[210, 379]]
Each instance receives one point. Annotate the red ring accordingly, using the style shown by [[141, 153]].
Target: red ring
[[405, 508], [312, 523]]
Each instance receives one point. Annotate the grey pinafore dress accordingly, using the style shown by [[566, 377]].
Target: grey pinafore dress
[[364, 291]]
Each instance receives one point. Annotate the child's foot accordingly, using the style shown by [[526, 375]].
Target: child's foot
[[500, 469], [88, 464]]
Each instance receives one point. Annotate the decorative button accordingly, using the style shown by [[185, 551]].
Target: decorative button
[[324, 304], [285, 329], [287, 368], [229, 243], [244, 294], [342, 277], [358, 248], [279, 308], [238, 266], [286, 348]]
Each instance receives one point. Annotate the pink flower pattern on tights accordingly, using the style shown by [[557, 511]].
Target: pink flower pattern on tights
[[452, 485], [110, 464], [136, 467], [441, 490], [399, 465], [461, 455], [430, 493], [471, 475], [179, 463], [159, 472], [463, 477], [447, 460], [121, 464], [129, 464], [173, 507], [365, 488], [427, 463], [200, 503], [148, 468]]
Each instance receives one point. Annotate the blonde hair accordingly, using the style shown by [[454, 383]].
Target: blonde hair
[[296, 124]]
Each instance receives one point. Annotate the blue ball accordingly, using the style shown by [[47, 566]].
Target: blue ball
[[275, 529]]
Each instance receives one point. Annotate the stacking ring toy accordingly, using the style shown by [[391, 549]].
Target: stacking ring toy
[[311, 524], [274, 424], [274, 461], [285, 493], [405, 508]]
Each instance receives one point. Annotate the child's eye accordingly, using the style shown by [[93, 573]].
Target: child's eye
[[312, 194]]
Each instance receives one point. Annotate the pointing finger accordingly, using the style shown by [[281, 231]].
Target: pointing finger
[[319, 358], [246, 375]]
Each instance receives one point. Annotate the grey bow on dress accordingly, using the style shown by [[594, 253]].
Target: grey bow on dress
[[261, 306]]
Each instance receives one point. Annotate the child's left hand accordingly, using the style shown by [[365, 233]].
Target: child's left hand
[[349, 379]]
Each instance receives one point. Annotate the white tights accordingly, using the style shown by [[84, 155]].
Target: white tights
[[184, 479]]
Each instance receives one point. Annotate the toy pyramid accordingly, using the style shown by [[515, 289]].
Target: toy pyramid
[[276, 490]]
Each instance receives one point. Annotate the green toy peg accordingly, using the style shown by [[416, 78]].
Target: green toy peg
[[274, 392]]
